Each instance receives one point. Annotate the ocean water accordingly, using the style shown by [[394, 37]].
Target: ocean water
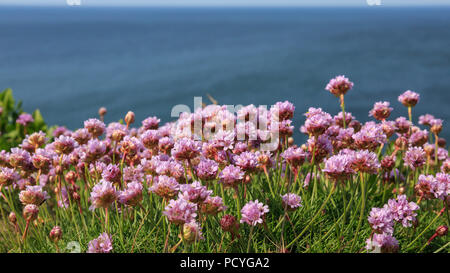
[[69, 61]]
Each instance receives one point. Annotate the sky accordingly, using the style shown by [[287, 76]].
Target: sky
[[226, 2]]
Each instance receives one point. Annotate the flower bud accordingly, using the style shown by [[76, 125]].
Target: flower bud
[[30, 212], [129, 118], [229, 223], [442, 230], [55, 234], [12, 217], [71, 176], [102, 112]]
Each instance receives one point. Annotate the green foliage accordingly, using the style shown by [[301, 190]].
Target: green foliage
[[12, 133]]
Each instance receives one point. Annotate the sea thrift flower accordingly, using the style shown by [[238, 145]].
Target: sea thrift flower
[[95, 127], [414, 157], [192, 232], [339, 119], [33, 195], [165, 186], [380, 219], [112, 174], [151, 123], [95, 149], [103, 195], [365, 161], [446, 166], [36, 140], [442, 186], [102, 244], [247, 161], [30, 212], [207, 169], [436, 126], [381, 110], [425, 185], [317, 121], [403, 125], [403, 211], [25, 119], [418, 138], [388, 162], [295, 157], [19, 158], [409, 98], [339, 86], [383, 243], [55, 234], [185, 148], [132, 195], [253, 213], [130, 146], [338, 167], [319, 148], [370, 137], [231, 176], [426, 119], [194, 192], [8, 176], [229, 223], [180, 211], [64, 145], [81, 136], [291, 201], [388, 127], [212, 205], [285, 110], [150, 138]]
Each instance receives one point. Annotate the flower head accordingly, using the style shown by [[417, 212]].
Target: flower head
[[102, 244], [291, 201], [403, 211], [180, 211], [103, 195], [409, 98], [253, 213], [132, 195], [339, 85]]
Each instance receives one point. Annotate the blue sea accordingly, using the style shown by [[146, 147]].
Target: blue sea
[[69, 61]]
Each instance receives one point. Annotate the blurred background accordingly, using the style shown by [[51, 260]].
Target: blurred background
[[147, 56]]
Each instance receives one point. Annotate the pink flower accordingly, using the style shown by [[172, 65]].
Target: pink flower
[[253, 213], [102, 244], [185, 148], [339, 85], [403, 211], [231, 176], [192, 232], [383, 243], [194, 192], [338, 167], [365, 161], [95, 127], [414, 157], [380, 219], [295, 157], [25, 119], [291, 201], [103, 195], [247, 161], [132, 195], [33, 195], [213, 205], [381, 110], [409, 98], [207, 169], [180, 211], [165, 186]]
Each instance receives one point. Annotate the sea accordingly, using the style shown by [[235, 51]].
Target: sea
[[69, 61]]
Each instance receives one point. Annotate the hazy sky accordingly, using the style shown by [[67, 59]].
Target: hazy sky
[[226, 2]]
